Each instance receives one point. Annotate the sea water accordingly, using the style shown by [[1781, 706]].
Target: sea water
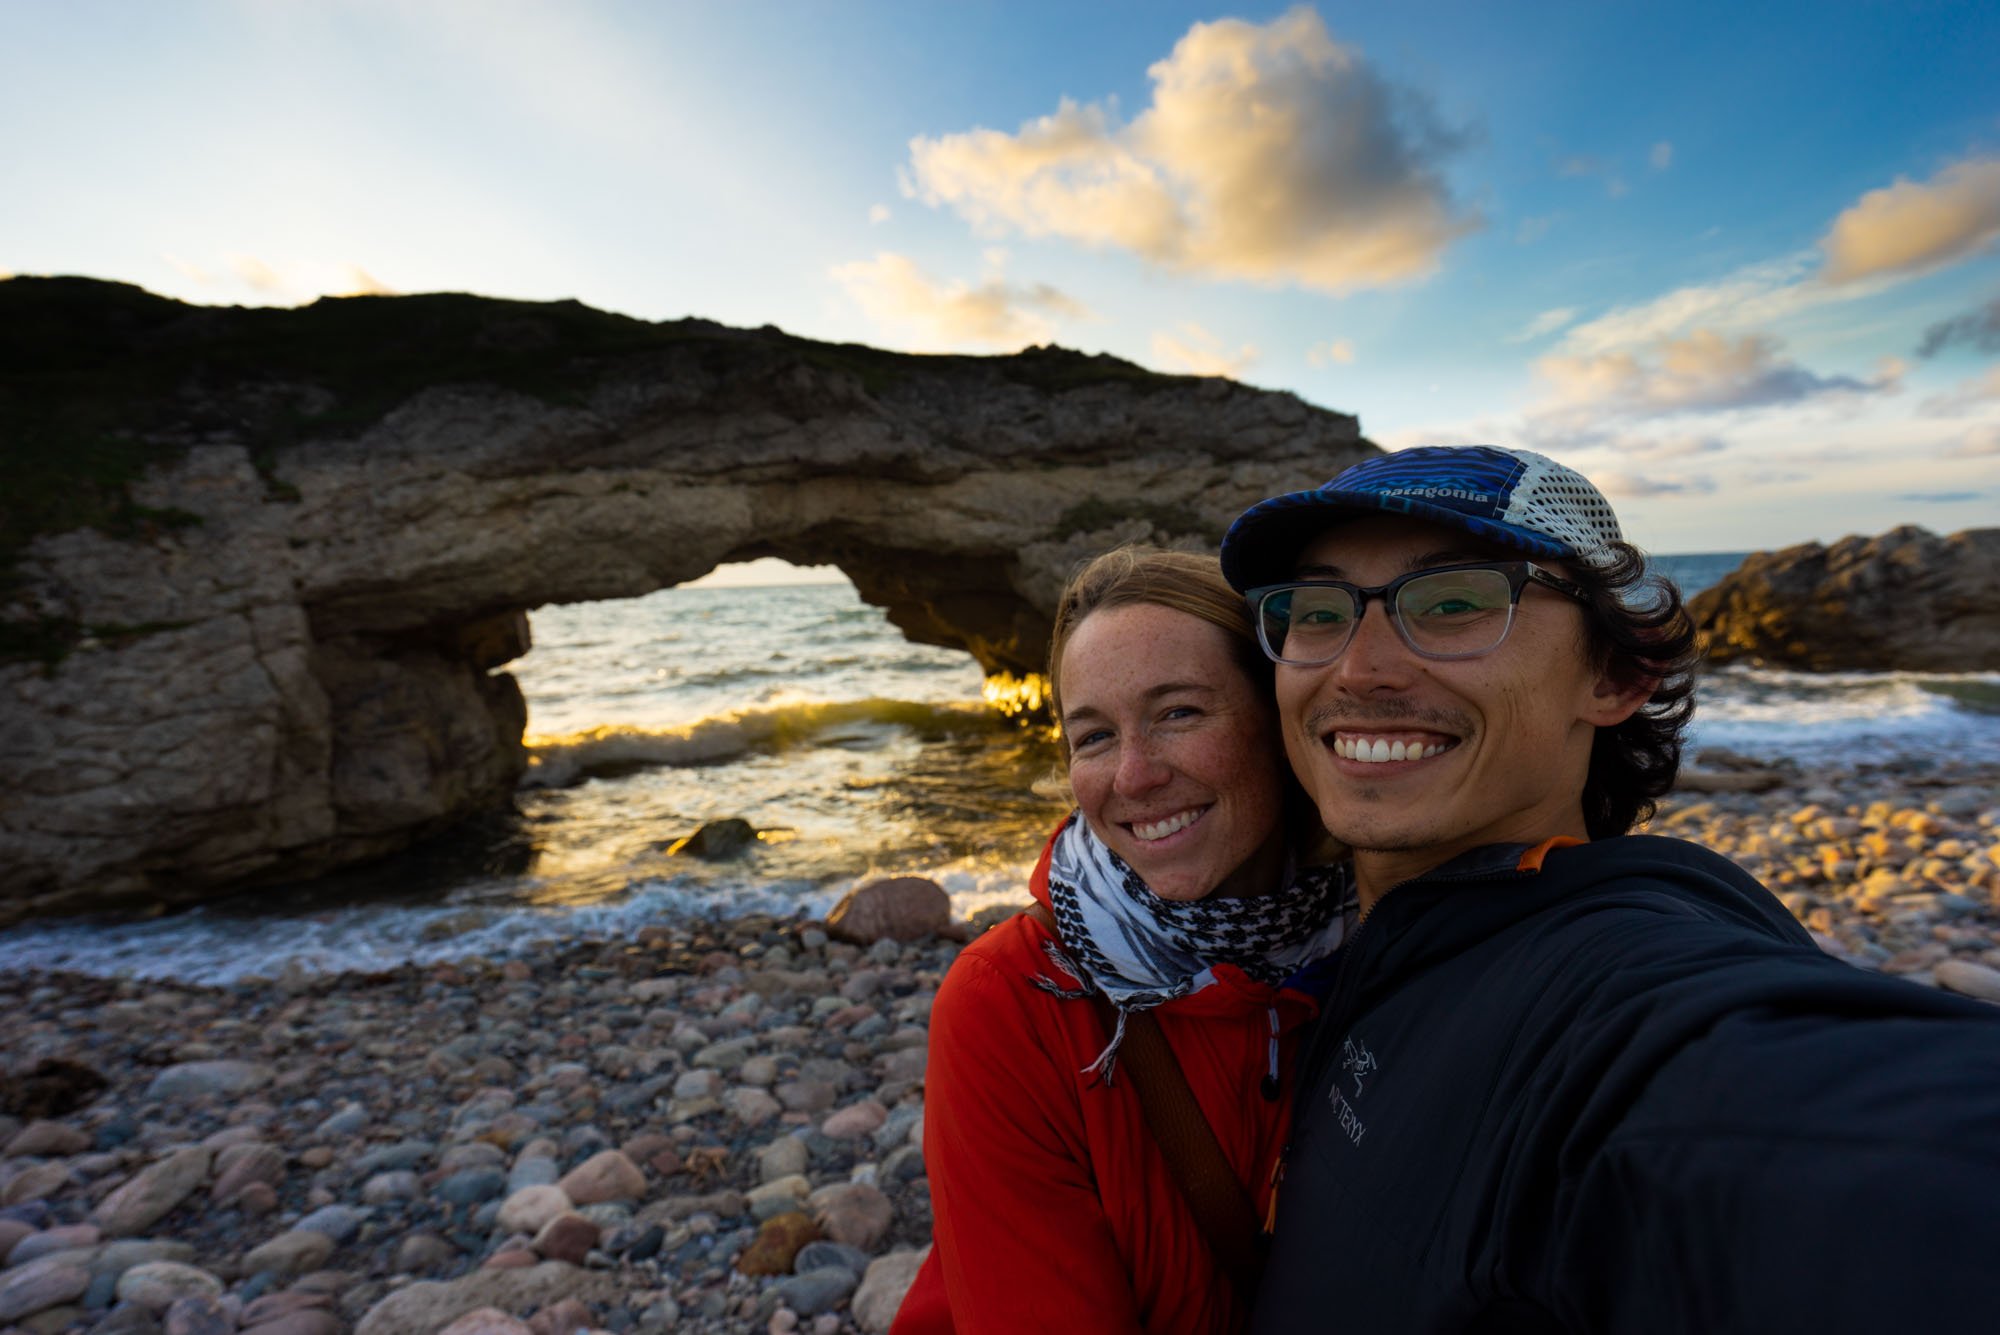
[[853, 752]]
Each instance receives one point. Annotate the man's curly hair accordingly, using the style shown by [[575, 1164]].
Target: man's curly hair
[[1639, 631]]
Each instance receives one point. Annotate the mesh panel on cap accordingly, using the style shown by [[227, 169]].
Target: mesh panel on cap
[[1562, 503]]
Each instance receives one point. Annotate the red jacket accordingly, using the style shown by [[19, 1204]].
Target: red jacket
[[1054, 1209]]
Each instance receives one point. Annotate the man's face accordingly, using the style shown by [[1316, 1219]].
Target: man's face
[[1494, 749]]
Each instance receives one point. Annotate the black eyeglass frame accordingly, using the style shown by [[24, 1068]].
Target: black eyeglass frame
[[1519, 575]]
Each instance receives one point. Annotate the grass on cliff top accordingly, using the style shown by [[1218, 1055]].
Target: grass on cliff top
[[100, 380]]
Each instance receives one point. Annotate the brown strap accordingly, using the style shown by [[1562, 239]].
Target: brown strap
[[1222, 1207]]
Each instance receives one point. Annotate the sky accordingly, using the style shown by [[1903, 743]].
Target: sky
[[1740, 264]]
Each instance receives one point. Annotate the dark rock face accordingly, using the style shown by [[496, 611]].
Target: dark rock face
[[258, 567], [1907, 600]]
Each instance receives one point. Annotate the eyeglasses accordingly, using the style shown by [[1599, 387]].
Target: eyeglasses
[[1447, 612]]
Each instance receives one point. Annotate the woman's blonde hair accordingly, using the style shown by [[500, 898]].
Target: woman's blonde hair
[[1187, 582]]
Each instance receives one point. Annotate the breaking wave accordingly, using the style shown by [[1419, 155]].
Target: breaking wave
[[561, 761]]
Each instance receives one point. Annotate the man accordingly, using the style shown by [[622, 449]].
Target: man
[[1570, 1078]]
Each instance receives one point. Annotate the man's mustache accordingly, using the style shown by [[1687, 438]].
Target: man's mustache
[[1350, 713]]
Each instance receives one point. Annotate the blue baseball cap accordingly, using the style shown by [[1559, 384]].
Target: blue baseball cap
[[1516, 498]]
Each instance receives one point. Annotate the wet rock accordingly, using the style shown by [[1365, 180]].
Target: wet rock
[[854, 1213], [35, 1183], [567, 1237], [208, 1079], [127, 1319], [477, 1184], [855, 1120], [51, 1087], [339, 1222], [46, 1139], [62, 1238], [273, 1306], [12, 1232], [563, 1317], [779, 1196], [403, 1154], [899, 908], [605, 1176], [199, 1314], [781, 1158], [40, 1285], [116, 1258], [155, 1285], [387, 1188], [351, 1120], [428, 1305], [530, 1208], [716, 840], [307, 1321], [487, 1321], [777, 1244], [820, 1255], [420, 1252], [751, 1106], [290, 1253], [883, 1288], [239, 1166], [152, 1194], [815, 1291]]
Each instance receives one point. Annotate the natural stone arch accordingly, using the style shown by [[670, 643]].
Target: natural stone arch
[[271, 645]]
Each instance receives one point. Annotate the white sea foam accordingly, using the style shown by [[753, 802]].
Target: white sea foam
[[857, 753], [221, 947], [1835, 717], [559, 761]]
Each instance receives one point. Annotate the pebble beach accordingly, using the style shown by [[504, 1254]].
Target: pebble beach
[[702, 1126]]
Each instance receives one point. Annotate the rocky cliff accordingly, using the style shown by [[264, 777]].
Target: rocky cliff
[[1907, 600], [258, 567]]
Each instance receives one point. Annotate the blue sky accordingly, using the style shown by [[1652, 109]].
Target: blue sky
[[1736, 262]]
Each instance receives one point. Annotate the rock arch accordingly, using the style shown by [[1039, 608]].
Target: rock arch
[[258, 595]]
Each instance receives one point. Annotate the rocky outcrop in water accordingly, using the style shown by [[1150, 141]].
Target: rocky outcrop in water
[[258, 568], [1907, 600]]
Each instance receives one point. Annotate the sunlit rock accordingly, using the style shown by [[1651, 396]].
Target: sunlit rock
[[259, 567]]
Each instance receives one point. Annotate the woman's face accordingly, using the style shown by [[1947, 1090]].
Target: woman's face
[[1173, 752]]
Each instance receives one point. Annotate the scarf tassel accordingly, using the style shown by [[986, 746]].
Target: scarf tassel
[[1107, 1060]]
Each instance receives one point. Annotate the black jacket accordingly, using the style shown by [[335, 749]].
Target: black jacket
[[1627, 1093]]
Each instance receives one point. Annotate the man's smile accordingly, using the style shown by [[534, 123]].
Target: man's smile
[[1380, 748]]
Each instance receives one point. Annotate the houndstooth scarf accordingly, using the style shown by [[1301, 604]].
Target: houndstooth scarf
[[1141, 951]]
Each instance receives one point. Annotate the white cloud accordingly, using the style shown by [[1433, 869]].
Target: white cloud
[[296, 281], [1662, 156], [1190, 348], [894, 292], [1753, 296], [189, 270], [878, 213], [1908, 227], [1545, 323], [257, 274], [1982, 442], [1966, 395], [1702, 372], [1340, 350], [1629, 486], [1269, 152], [361, 283]]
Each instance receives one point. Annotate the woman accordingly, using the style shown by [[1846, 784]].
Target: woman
[[1055, 1208]]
